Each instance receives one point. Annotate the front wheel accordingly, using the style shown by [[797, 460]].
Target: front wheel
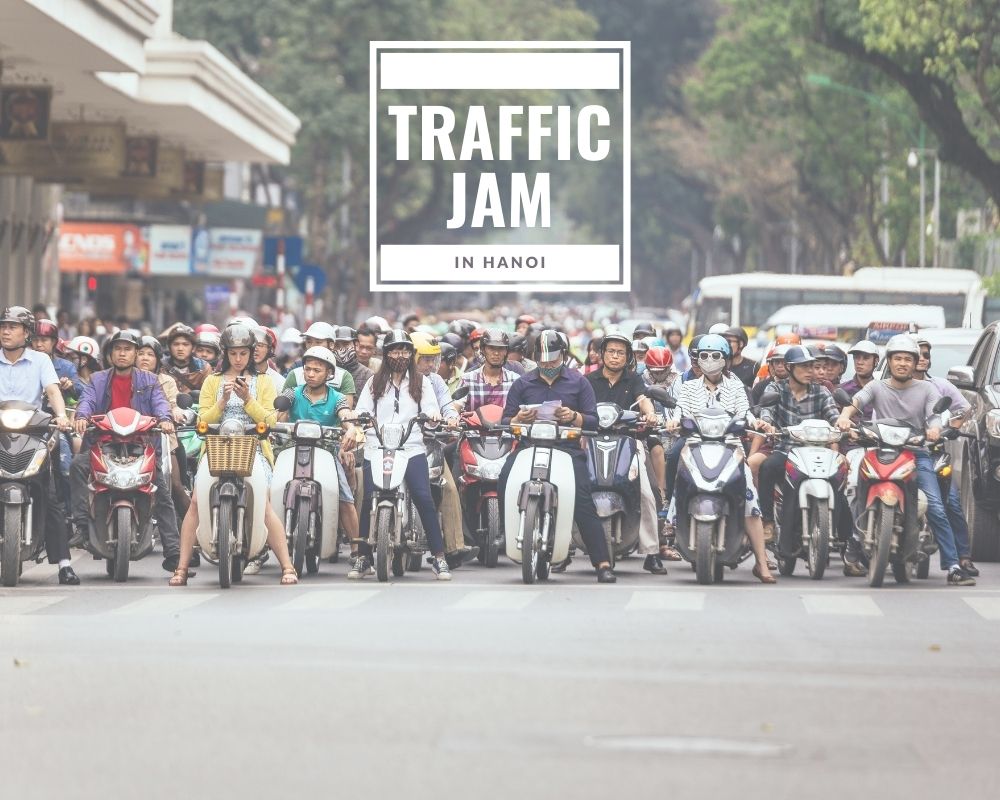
[[224, 536], [383, 543], [818, 520], [531, 541], [300, 541], [879, 558], [490, 553], [123, 543], [10, 556], [704, 547]]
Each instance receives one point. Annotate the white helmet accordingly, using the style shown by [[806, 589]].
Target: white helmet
[[719, 327], [250, 322], [378, 324], [864, 347], [85, 346], [903, 343], [322, 354], [291, 336], [321, 330]]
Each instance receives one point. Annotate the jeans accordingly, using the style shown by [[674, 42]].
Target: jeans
[[937, 516], [673, 461], [163, 504], [418, 484], [953, 505]]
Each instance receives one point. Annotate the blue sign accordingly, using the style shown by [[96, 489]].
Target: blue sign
[[306, 271], [293, 251]]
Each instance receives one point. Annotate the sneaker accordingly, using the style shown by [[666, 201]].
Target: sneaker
[[854, 569], [361, 568], [968, 567], [655, 565], [959, 577], [253, 566], [440, 568]]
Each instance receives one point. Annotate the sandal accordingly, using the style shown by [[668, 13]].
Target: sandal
[[668, 553], [289, 577], [762, 577], [179, 578]]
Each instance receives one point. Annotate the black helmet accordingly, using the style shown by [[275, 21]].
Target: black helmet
[[814, 351], [834, 353], [642, 330], [181, 331], [621, 338], [238, 335], [494, 337], [550, 344], [153, 344], [736, 332], [397, 337], [130, 337], [19, 315], [448, 353], [345, 333], [518, 344], [454, 340], [693, 346], [797, 354]]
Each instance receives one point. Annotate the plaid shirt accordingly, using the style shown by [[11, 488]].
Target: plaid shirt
[[818, 403], [482, 393]]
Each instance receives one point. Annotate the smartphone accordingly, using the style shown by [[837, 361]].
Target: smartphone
[[240, 379]]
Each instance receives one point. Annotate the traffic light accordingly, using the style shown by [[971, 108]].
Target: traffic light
[[91, 284]]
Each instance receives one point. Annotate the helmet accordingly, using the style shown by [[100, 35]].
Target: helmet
[[85, 346], [527, 318], [19, 315], [209, 339], [454, 340], [643, 329], [518, 344], [475, 335], [291, 336], [643, 345], [206, 327], [321, 354], [259, 335], [377, 324], [46, 328], [797, 354], [670, 327], [321, 330], [272, 339], [411, 317], [736, 332], [903, 343], [788, 338], [250, 322], [550, 345], [694, 344], [462, 327], [719, 328], [236, 336], [153, 344], [779, 352], [922, 342], [448, 353], [184, 331], [865, 348], [659, 358], [397, 337], [426, 346], [713, 342], [815, 351], [834, 353], [129, 337], [621, 338], [344, 333], [494, 337]]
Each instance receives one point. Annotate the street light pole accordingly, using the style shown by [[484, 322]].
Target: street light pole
[[923, 215], [937, 211]]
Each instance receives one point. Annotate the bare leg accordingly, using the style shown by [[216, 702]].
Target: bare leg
[[754, 460], [189, 534], [352, 526], [658, 461], [276, 536], [755, 531]]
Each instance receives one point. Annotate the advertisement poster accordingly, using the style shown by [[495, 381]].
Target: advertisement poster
[[233, 252], [99, 248], [169, 250]]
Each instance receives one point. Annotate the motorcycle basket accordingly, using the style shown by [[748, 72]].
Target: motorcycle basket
[[230, 455]]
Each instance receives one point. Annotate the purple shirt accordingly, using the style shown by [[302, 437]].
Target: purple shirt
[[959, 405]]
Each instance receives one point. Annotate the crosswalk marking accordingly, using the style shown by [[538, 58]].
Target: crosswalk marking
[[165, 603], [329, 600], [496, 601], [666, 601], [842, 604], [986, 607], [29, 604]]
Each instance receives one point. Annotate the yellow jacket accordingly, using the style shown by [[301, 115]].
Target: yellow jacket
[[259, 408]]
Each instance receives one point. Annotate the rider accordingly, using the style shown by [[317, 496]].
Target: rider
[[125, 385], [451, 375], [831, 363], [742, 368], [717, 388], [44, 340], [660, 372], [490, 383], [182, 365], [265, 345], [518, 354], [865, 355], [27, 375], [366, 343], [674, 337], [617, 382], [776, 372], [208, 348], [912, 402], [345, 349], [554, 381], [322, 334], [397, 394], [86, 352], [523, 323], [694, 371]]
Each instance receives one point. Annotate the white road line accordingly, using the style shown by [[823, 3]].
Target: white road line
[[661, 600], [852, 605], [495, 601], [28, 605], [986, 607], [329, 600], [165, 603]]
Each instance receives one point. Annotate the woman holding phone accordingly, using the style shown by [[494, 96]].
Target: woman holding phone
[[237, 392]]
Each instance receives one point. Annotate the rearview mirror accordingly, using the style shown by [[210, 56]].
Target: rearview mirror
[[661, 396], [943, 404], [184, 401], [282, 403], [769, 399], [460, 392], [842, 397], [963, 378]]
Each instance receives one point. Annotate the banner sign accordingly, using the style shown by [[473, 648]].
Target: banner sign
[[231, 253], [76, 150], [99, 248], [140, 157], [169, 250], [24, 113]]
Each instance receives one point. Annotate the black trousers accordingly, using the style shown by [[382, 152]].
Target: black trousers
[[585, 513], [56, 526]]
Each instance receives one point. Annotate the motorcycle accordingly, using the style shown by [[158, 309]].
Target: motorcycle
[[28, 437], [230, 496], [814, 474], [482, 452], [123, 468], [311, 504]]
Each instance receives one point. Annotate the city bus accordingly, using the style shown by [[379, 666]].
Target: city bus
[[750, 298]]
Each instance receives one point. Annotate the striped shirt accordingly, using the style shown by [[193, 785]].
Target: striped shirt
[[730, 395]]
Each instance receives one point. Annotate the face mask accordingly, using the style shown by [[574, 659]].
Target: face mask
[[399, 363], [346, 356], [713, 367], [550, 373]]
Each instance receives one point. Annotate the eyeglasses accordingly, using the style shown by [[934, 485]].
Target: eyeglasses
[[617, 353], [712, 355]]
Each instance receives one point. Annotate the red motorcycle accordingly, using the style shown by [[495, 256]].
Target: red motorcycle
[[482, 452], [123, 466]]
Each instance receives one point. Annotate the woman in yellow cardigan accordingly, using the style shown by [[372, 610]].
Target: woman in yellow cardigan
[[235, 392]]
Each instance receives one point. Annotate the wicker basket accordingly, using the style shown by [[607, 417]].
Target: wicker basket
[[230, 455]]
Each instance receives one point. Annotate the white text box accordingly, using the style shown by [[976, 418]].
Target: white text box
[[500, 71]]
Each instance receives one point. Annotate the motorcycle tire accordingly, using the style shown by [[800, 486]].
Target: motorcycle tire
[[224, 536], [923, 568], [818, 555], [704, 548], [123, 543], [300, 541], [399, 564], [109, 567], [490, 552], [530, 557], [10, 556], [901, 571], [719, 571], [414, 562], [383, 543], [879, 558]]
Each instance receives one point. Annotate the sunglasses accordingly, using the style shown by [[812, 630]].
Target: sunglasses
[[714, 355]]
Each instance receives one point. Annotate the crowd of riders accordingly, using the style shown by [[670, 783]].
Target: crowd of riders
[[334, 373]]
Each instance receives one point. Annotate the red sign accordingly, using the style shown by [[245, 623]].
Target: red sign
[[99, 248]]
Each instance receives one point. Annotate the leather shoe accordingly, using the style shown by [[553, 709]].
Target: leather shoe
[[655, 565], [968, 567], [606, 575], [195, 559], [170, 563], [67, 577]]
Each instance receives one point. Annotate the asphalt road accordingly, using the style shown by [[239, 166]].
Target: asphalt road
[[654, 687]]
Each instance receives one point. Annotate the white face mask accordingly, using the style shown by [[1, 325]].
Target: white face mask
[[713, 367]]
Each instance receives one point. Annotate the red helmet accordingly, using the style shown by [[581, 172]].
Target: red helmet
[[659, 358], [47, 328], [61, 347], [788, 338], [272, 339], [475, 335], [206, 327], [526, 318]]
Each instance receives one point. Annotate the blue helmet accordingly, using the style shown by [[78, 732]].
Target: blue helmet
[[714, 342]]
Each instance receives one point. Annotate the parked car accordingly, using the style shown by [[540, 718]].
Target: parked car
[[977, 461]]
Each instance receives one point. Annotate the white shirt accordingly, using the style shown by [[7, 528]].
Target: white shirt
[[445, 403], [730, 395], [385, 411]]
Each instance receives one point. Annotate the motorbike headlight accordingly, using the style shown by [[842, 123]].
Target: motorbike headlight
[[543, 430], [633, 470], [308, 430], [231, 427], [488, 470], [813, 432], [392, 436], [993, 424], [893, 435], [712, 427], [903, 471], [607, 415], [14, 419], [40, 457]]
